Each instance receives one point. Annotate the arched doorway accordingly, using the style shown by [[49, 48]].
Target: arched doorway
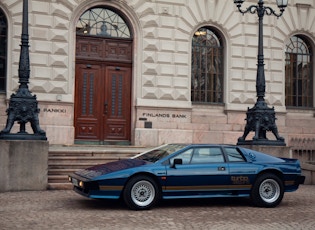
[[103, 78]]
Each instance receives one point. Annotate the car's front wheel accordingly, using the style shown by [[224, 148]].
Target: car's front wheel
[[267, 191], [141, 192]]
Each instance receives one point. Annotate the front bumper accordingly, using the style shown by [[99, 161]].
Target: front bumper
[[82, 184], [300, 180]]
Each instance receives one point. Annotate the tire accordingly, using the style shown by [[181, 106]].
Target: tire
[[141, 192], [267, 191]]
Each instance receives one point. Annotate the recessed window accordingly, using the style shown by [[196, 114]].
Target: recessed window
[[3, 51], [207, 67], [102, 22], [298, 73]]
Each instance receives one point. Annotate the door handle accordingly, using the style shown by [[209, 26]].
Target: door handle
[[105, 108], [221, 168]]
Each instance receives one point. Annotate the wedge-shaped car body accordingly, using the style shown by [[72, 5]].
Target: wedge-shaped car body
[[191, 171]]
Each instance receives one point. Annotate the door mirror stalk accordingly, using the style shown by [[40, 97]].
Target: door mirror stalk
[[177, 161]]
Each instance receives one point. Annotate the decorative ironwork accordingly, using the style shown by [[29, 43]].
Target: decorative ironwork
[[84, 93], [114, 80], [207, 67], [260, 118], [298, 73], [102, 22], [91, 94], [120, 94], [23, 106]]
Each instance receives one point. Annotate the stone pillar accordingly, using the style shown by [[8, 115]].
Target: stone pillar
[[23, 165]]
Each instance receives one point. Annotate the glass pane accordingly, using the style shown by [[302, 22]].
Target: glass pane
[[102, 22], [234, 155], [298, 73], [207, 155], [207, 67], [185, 156]]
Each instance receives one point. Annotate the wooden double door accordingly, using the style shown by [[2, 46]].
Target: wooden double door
[[102, 102]]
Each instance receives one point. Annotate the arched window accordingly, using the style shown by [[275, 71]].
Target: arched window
[[3, 51], [207, 67], [299, 72], [102, 22]]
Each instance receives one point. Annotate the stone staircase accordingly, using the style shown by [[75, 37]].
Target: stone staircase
[[63, 160]]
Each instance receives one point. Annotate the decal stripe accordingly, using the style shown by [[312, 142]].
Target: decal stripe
[[176, 188], [205, 187], [111, 187], [209, 187], [289, 182]]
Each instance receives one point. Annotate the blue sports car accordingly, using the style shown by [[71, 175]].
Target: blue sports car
[[191, 171]]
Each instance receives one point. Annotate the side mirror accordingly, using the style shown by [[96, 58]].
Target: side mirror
[[177, 161]]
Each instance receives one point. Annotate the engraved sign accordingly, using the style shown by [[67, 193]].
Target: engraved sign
[[165, 116], [54, 110]]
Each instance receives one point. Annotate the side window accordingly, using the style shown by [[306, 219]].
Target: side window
[[207, 155], [185, 156], [233, 155]]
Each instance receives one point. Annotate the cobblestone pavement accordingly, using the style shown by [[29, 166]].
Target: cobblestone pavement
[[67, 210]]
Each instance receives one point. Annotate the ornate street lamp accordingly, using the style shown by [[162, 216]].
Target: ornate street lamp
[[23, 106], [261, 118]]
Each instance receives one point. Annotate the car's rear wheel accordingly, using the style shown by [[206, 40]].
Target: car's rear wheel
[[267, 191], [141, 192]]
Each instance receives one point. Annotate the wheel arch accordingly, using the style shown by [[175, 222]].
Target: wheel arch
[[276, 172], [151, 175]]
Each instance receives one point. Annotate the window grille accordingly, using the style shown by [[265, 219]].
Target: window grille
[[102, 22], [207, 67], [298, 73]]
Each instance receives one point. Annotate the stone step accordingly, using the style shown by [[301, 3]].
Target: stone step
[[64, 160], [58, 178], [60, 186], [92, 153], [77, 160], [62, 171]]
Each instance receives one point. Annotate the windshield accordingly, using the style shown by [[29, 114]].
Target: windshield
[[160, 152]]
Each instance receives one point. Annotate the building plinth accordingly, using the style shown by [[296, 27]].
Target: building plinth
[[23, 165]]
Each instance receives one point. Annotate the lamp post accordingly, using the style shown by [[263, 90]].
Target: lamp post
[[23, 106], [261, 118]]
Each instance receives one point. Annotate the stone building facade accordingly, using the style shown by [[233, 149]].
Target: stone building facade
[[150, 83]]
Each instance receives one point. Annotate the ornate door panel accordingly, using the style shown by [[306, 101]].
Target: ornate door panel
[[102, 104], [117, 104], [88, 86]]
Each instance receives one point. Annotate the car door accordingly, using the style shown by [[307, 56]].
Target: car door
[[242, 173], [203, 172]]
